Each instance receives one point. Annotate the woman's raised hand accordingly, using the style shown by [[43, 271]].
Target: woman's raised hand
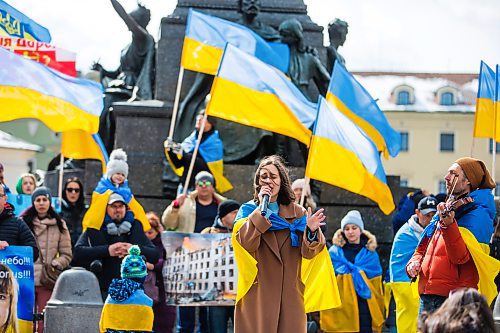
[[315, 220]]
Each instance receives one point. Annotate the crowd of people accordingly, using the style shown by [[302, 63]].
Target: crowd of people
[[435, 281]]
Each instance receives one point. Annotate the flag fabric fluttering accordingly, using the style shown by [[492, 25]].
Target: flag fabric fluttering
[[31, 90], [206, 36], [341, 154], [484, 120], [78, 144], [16, 24], [352, 99], [253, 93]]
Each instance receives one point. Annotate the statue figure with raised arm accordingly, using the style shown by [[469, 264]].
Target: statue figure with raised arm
[[134, 78]]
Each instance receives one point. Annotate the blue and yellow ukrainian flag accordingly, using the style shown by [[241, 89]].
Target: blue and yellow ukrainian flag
[[352, 99], [212, 152], [341, 154], [206, 37], [16, 24], [78, 144], [250, 92], [405, 292], [31, 90], [484, 120], [132, 314]]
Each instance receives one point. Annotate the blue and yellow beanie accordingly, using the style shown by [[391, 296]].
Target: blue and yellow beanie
[[133, 266]]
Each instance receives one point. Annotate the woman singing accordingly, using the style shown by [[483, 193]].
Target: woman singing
[[269, 251]]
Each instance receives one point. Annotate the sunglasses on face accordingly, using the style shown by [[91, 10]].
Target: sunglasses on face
[[76, 190], [206, 183]]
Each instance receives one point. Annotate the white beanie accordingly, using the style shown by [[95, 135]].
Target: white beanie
[[117, 163], [352, 217]]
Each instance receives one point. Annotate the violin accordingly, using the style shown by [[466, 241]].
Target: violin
[[454, 205]]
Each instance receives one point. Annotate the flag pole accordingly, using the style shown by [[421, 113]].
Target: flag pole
[[61, 172], [195, 153], [306, 178], [176, 102], [303, 195], [494, 143], [494, 135]]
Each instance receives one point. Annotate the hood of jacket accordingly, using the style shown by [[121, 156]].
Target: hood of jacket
[[485, 199], [367, 237]]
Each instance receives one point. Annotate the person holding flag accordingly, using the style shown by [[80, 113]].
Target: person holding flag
[[453, 250], [209, 159]]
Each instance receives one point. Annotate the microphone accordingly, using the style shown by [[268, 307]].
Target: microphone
[[264, 204]]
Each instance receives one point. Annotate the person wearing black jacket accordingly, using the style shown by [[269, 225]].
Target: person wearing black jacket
[[184, 160], [73, 207], [101, 250], [13, 230]]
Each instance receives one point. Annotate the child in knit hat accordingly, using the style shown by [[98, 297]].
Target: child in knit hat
[[127, 307], [114, 181]]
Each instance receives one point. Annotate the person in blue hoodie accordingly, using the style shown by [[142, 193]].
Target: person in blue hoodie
[[127, 307]]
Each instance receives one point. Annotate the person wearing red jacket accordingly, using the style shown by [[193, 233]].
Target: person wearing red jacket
[[442, 260]]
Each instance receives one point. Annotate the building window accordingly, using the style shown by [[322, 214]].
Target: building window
[[447, 142], [442, 186], [403, 98], [497, 147], [403, 183], [447, 98], [404, 141]]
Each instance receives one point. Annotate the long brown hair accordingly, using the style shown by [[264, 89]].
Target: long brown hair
[[8, 286], [464, 311], [285, 194]]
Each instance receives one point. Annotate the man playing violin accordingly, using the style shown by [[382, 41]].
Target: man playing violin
[[442, 260]]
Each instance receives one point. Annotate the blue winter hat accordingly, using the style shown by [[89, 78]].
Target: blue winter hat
[[40, 191], [352, 217], [133, 266]]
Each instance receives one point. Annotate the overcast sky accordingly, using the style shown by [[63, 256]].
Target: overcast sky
[[384, 35]]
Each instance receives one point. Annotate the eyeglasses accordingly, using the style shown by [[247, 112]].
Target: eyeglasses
[[206, 183], [76, 190], [2, 195]]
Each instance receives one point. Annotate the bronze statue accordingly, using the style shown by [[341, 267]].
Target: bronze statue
[[304, 67], [244, 140], [304, 63], [249, 9], [337, 31], [133, 79]]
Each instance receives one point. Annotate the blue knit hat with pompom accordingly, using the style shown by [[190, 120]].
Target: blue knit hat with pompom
[[133, 266]]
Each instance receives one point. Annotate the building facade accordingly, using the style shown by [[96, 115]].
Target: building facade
[[16, 155], [208, 274], [435, 115]]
